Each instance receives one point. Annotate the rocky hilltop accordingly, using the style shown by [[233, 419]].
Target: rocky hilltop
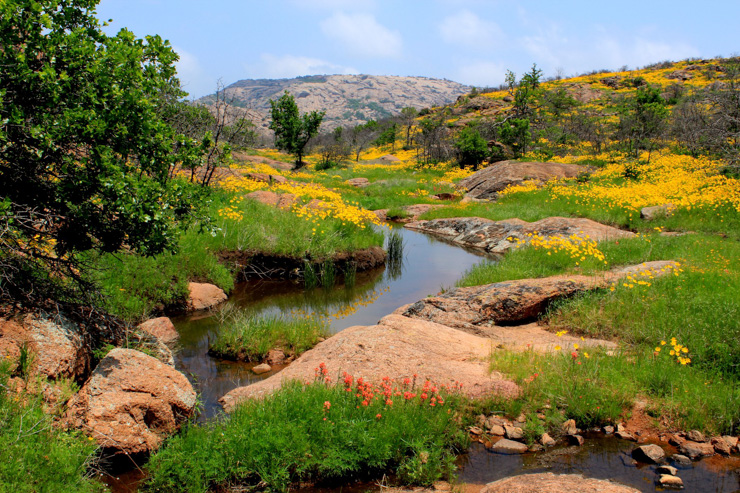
[[347, 99]]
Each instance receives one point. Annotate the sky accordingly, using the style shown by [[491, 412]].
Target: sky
[[469, 41]]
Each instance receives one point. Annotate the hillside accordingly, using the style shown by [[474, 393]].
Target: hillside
[[347, 99]]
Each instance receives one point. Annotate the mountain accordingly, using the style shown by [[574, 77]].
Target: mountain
[[347, 99]]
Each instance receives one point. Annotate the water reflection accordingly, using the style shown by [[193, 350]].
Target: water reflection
[[428, 266]]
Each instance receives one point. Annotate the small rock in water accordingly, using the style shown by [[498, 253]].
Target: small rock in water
[[608, 430], [536, 447], [697, 450], [505, 446], [625, 436], [547, 440], [670, 481], [681, 460], [667, 470], [569, 427], [575, 440], [652, 454], [263, 368]]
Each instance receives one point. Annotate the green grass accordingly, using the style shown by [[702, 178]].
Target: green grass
[[135, 286], [597, 391], [249, 338], [35, 455], [314, 432]]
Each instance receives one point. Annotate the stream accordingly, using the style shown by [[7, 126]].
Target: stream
[[429, 265]]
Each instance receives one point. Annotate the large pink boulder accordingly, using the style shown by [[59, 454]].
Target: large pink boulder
[[131, 402]]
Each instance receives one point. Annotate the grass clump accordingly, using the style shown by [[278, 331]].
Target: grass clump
[[247, 337], [595, 388], [318, 432], [35, 456]]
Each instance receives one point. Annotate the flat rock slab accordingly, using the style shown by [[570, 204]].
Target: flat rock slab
[[477, 308], [501, 236], [130, 402], [555, 483], [398, 347], [488, 182]]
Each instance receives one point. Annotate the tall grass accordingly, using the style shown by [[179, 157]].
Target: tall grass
[[36, 456], [316, 432], [249, 337]]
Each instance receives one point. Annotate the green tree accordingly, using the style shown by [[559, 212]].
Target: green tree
[[515, 132], [84, 149], [293, 130], [642, 119], [471, 147]]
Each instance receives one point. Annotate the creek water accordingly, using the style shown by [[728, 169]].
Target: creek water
[[429, 266]]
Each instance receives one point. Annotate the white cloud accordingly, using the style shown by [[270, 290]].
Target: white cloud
[[467, 29], [361, 34], [192, 76], [287, 66], [600, 49], [481, 74]]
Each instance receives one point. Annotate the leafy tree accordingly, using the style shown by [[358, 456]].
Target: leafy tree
[[642, 118], [388, 136], [293, 130], [84, 148], [471, 147], [515, 132]]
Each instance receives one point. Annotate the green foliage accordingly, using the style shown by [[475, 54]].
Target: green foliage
[[292, 130], [471, 147], [515, 133], [85, 153], [35, 455], [313, 432], [249, 338], [642, 119]]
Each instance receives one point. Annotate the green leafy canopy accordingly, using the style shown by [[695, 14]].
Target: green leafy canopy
[[85, 153]]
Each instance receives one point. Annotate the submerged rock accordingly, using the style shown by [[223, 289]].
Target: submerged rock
[[488, 182], [651, 454], [555, 483], [131, 402], [398, 347]]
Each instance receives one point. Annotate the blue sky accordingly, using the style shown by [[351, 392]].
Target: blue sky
[[471, 41]]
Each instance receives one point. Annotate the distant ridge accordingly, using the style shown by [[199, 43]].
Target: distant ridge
[[347, 99]]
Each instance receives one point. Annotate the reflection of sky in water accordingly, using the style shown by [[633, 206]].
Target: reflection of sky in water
[[428, 266]]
